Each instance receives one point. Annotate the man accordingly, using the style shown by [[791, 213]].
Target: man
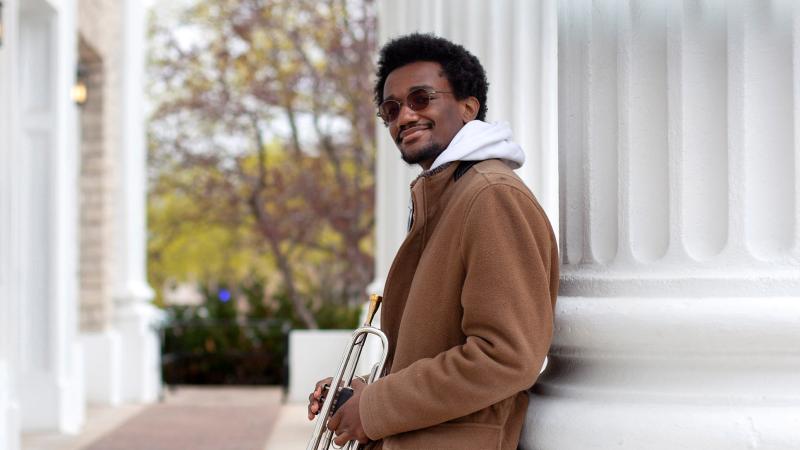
[[468, 302]]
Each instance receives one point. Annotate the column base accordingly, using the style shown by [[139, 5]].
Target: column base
[[136, 324], [570, 423], [666, 373], [103, 376], [54, 402]]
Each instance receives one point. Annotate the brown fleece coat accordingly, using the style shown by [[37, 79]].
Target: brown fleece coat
[[468, 310]]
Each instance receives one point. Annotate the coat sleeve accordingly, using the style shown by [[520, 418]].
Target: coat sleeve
[[506, 249]]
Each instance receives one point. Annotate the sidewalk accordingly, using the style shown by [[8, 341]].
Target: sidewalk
[[292, 429], [191, 418], [99, 421]]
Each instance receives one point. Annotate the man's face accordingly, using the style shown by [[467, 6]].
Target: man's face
[[422, 135]]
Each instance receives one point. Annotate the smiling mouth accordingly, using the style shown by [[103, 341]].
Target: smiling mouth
[[412, 132]]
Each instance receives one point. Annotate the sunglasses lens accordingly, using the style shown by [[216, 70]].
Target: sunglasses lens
[[389, 110], [418, 100]]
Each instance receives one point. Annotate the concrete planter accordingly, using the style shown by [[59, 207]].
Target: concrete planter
[[313, 355]]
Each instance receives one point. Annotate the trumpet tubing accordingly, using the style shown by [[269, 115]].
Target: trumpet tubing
[[322, 438]]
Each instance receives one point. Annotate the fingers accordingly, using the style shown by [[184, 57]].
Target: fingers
[[312, 411], [313, 404], [314, 398], [323, 382], [334, 421], [345, 429], [342, 439], [345, 437]]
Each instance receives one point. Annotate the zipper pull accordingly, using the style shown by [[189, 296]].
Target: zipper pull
[[410, 214]]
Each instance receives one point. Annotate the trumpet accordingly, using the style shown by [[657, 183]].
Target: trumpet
[[322, 438]]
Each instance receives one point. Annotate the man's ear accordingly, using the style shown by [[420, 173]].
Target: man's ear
[[469, 109]]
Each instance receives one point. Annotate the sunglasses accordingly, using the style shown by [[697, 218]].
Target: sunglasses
[[417, 100]]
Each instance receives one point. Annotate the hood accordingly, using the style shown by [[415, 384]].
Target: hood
[[479, 140]]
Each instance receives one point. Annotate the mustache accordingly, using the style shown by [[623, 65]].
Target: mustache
[[403, 128]]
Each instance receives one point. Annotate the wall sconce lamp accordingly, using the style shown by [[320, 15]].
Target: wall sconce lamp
[[80, 92]]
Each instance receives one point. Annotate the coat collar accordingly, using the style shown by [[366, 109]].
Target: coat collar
[[429, 192], [434, 172]]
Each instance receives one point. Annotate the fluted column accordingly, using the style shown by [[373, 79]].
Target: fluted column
[[678, 320], [515, 40]]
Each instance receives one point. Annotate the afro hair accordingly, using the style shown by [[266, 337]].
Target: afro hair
[[462, 68]]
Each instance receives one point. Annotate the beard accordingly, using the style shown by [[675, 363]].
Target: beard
[[427, 153]]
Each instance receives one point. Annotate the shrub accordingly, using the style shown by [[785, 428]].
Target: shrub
[[235, 337]]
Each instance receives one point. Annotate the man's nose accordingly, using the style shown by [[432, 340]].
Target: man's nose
[[406, 115]]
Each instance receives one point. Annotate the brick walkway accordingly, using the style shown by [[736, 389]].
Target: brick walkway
[[195, 418]]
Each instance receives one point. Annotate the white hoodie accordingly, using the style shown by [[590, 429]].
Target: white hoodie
[[478, 141]]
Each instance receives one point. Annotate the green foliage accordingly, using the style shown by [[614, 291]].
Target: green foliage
[[333, 316], [216, 343], [329, 315], [262, 151]]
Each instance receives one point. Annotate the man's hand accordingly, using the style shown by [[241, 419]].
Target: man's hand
[[346, 423], [314, 399]]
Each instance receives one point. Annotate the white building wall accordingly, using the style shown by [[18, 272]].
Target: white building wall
[[41, 360]]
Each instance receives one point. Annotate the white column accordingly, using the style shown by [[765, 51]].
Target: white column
[[9, 250], [64, 232], [134, 315], [102, 55], [677, 324], [104, 363], [393, 176], [516, 41], [49, 369]]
